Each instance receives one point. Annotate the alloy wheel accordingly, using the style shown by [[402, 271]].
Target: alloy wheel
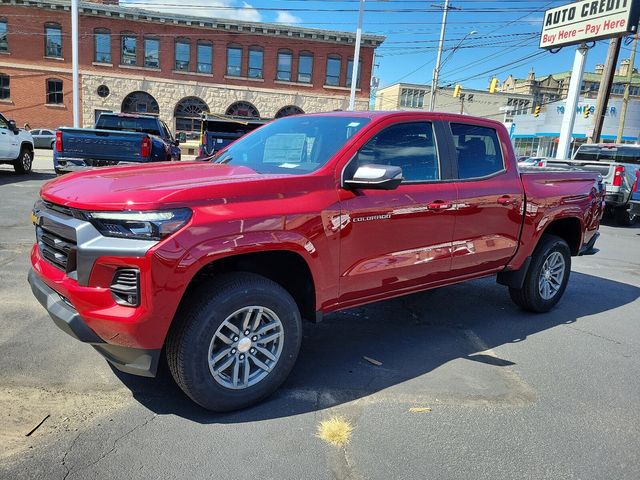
[[551, 275]]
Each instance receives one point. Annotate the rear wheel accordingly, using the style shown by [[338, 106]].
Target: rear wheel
[[624, 216], [547, 277], [236, 341], [24, 161]]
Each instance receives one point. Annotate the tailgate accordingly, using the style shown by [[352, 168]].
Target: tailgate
[[102, 145]]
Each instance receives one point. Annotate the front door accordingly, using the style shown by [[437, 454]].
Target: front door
[[398, 239], [490, 197], [6, 139]]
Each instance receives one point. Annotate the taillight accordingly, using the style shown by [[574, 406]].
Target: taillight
[[541, 163], [145, 149], [635, 184], [618, 173], [58, 141]]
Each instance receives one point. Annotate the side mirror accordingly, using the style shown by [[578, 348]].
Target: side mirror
[[13, 127], [377, 177], [176, 142]]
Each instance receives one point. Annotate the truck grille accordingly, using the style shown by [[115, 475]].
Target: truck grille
[[58, 251]]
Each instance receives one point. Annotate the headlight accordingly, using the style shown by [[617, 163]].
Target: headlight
[[154, 225]]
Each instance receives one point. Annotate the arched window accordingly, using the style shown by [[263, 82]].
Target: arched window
[[256, 59], [140, 102], [234, 60], [289, 110], [305, 67], [284, 65], [243, 109], [102, 45], [188, 114], [54, 91], [334, 65], [52, 40]]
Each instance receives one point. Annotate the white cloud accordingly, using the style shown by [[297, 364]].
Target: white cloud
[[286, 17], [206, 8]]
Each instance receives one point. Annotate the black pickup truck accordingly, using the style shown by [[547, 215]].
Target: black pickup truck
[[117, 139]]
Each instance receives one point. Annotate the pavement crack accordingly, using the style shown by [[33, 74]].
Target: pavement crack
[[64, 457], [594, 334]]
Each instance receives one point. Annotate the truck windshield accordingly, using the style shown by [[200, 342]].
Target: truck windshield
[[614, 153], [128, 124], [295, 145]]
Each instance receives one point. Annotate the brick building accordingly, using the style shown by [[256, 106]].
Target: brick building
[[171, 65]]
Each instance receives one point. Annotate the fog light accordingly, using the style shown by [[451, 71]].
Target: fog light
[[125, 287]]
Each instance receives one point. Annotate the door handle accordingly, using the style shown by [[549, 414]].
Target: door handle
[[438, 205], [506, 200]]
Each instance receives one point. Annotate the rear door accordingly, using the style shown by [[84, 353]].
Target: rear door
[[397, 239], [490, 198]]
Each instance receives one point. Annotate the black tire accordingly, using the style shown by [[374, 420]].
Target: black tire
[[529, 296], [624, 216], [53, 145], [203, 312], [24, 162]]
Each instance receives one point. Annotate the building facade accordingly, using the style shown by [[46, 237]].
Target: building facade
[[480, 103], [174, 66]]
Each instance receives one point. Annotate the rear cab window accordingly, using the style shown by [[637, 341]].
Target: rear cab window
[[478, 151]]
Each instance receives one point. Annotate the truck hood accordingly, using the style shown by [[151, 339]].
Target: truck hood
[[153, 186]]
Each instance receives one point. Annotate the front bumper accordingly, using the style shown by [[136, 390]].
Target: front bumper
[[136, 361]]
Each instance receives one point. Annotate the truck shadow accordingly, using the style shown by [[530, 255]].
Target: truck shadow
[[411, 336], [8, 177]]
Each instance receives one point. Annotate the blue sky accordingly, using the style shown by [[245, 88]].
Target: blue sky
[[506, 33]]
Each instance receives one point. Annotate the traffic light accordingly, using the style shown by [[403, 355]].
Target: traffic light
[[536, 111], [456, 90], [493, 86], [586, 111]]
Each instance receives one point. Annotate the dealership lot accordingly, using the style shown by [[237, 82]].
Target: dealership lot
[[495, 392]]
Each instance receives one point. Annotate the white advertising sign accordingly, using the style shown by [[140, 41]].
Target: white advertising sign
[[588, 20]]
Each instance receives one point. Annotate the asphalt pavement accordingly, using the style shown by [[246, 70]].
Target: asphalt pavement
[[462, 385]]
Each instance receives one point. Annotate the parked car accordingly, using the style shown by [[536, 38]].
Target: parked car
[[216, 263], [16, 146], [618, 164], [117, 139], [218, 131], [43, 138]]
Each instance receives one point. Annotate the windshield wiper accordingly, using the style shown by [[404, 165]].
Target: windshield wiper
[[226, 159]]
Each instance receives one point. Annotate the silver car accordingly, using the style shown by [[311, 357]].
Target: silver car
[[43, 138]]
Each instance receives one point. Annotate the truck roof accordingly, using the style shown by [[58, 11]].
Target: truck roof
[[379, 114]]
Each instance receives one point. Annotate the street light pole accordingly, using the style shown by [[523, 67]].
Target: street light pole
[[436, 70], [356, 58], [74, 64]]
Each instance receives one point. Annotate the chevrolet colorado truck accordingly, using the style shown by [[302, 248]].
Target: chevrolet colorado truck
[[118, 138], [215, 264]]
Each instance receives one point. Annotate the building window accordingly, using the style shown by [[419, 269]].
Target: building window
[[234, 60], [54, 91], [5, 91], [412, 97], [151, 53], [183, 55], [256, 59], [205, 56], [284, 65], [350, 72], [242, 109], [305, 67], [288, 110], [333, 71], [102, 39], [53, 40], [634, 90], [188, 114], [129, 50], [103, 91], [140, 102], [4, 43]]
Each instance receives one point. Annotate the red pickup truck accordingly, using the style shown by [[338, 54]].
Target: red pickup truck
[[215, 264]]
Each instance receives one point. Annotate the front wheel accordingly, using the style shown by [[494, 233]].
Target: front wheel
[[24, 161], [236, 340], [547, 277]]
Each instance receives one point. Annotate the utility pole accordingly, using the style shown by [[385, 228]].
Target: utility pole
[[627, 87], [462, 104], [356, 58], [74, 64], [569, 118], [436, 70], [605, 89]]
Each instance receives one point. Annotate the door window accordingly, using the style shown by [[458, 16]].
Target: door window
[[478, 150], [410, 146]]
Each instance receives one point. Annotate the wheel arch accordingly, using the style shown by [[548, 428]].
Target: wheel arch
[[569, 229]]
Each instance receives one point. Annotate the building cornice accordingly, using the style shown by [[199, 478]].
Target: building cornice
[[227, 25]]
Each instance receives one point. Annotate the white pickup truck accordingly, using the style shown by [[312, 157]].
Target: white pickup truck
[[618, 164], [16, 146]]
